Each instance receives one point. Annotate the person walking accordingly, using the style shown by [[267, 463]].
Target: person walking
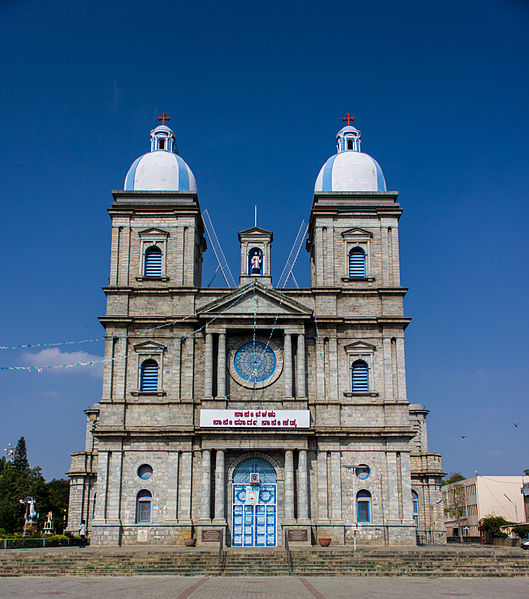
[[82, 533]]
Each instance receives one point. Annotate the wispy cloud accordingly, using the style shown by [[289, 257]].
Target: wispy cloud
[[56, 357]]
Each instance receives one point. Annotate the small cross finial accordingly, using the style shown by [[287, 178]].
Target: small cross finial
[[164, 118], [347, 118]]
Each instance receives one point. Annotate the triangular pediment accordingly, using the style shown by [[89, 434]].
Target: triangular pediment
[[152, 232], [257, 231], [255, 299], [357, 232], [360, 346], [149, 346]]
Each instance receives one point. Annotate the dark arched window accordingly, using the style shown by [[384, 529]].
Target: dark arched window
[[360, 377], [415, 506], [363, 506], [149, 376], [153, 261], [357, 262], [349, 144], [162, 144], [143, 506]]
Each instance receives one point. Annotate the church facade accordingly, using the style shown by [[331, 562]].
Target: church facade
[[255, 414]]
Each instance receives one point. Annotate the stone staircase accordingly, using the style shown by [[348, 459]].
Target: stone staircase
[[307, 562]]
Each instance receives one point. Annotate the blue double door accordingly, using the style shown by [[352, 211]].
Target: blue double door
[[254, 516]]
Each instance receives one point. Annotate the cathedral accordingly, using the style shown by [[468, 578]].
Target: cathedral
[[255, 415]]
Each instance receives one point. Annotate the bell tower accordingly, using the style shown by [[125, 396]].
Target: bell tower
[[256, 244]]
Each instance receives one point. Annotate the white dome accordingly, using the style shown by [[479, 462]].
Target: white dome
[[161, 169], [350, 169]]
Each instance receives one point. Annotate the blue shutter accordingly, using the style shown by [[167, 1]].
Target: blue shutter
[[357, 262], [149, 376], [360, 377], [153, 262]]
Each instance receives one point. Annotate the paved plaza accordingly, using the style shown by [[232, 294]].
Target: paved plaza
[[270, 587]]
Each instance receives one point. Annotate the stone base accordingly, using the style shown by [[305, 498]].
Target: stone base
[[140, 534]]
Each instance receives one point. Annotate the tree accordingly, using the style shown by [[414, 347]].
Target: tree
[[20, 460], [454, 477], [455, 505], [18, 481]]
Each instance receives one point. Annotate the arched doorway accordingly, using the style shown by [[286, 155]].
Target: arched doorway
[[254, 507]]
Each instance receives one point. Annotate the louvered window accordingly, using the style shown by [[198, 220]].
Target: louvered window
[[360, 377], [153, 261], [357, 262], [149, 376]]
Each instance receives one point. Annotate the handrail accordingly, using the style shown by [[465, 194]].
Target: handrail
[[290, 561], [221, 553]]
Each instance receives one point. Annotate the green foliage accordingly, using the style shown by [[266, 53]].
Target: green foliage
[[18, 482], [20, 459], [3, 463], [522, 530], [493, 524], [454, 477]]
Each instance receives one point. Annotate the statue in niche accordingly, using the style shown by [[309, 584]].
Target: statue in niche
[[255, 261]]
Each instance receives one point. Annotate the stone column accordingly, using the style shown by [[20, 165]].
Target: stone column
[[206, 484], [301, 387], [208, 366], [336, 505], [185, 487], [388, 369], [289, 484], [323, 513], [287, 367], [221, 366], [401, 369], [303, 487], [219, 485]]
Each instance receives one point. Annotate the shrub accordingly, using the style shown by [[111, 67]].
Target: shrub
[[493, 524]]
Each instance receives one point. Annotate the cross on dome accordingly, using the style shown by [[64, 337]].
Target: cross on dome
[[164, 118], [347, 118]]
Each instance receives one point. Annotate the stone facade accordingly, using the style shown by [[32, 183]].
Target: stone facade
[[366, 446]]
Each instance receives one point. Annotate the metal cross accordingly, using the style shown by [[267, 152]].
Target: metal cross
[[164, 118], [347, 118]]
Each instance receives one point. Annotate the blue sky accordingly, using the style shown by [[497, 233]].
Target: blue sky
[[256, 92]]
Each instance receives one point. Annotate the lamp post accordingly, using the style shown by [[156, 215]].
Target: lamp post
[[354, 523]]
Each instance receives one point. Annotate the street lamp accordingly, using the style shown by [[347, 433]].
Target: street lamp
[[354, 523]]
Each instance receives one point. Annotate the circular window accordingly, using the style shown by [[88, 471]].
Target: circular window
[[255, 362], [145, 471], [362, 471]]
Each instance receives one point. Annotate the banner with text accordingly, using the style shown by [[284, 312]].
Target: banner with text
[[255, 418]]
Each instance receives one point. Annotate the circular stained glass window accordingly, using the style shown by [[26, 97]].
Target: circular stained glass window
[[145, 471], [362, 471], [255, 362]]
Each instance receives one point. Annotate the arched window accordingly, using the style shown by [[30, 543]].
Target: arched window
[[153, 261], [357, 262], [363, 506], [349, 144], [162, 144], [143, 506], [360, 377], [149, 376], [415, 507]]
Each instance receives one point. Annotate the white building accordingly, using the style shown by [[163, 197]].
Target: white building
[[482, 496]]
